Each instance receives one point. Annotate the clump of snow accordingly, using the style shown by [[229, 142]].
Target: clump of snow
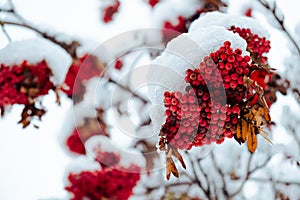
[[170, 10], [99, 94], [79, 164], [227, 20], [34, 51], [82, 163], [184, 52]]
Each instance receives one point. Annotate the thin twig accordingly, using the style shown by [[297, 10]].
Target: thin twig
[[196, 177], [5, 33], [274, 181], [145, 100], [167, 187], [224, 187], [280, 22], [7, 10], [69, 48], [261, 166], [246, 178], [14, 11]]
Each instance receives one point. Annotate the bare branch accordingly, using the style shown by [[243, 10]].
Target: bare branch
[[197, 181], [261, 166], [280, 22], [222, 175], [281, 182], [248, 173], [143, 99], [5, 33]]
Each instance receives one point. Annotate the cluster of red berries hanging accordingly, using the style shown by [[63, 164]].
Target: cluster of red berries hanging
[[205, 114], [221, 100], [111, 182], [82, 69], [257, 46], [23, 84]]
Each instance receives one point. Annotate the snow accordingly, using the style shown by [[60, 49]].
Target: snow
[[170, 10], [184, 52], [128, 156], [227, 20], [34, 51]]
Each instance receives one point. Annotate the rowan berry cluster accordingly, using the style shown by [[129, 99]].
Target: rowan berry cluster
[[256, 45], [209, 109], [108, 183], [22, 84], [88, 66]]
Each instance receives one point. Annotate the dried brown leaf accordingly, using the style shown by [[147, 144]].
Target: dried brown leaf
[[178, 156], [171, 168]]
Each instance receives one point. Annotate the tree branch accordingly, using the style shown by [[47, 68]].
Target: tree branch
[[248, 173], [280, 22], [224, 187], [275, 181]]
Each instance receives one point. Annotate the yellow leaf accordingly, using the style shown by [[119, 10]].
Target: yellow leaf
[[252, 139], [244, 130]]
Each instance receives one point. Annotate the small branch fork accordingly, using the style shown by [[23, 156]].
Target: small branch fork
[[280, 22]]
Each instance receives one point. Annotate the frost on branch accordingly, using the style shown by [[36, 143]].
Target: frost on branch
[[217, 98]]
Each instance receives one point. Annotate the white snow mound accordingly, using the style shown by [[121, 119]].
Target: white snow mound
[[34, 51], [227, 20]]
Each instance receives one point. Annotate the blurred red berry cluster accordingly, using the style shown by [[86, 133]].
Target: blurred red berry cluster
[[110, 11], [75, 141], [171, 30], [108, 183], [152, 3], [82, 69], [22, 84]]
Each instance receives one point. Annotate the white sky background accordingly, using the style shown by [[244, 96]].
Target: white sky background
[[32, 161]]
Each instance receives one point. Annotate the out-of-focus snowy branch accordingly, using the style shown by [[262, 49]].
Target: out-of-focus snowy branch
[[248, 173], [280, 20], [69, 47]]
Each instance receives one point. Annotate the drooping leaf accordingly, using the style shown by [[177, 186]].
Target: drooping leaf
[[252, 139], [178, 156], [171, 168]]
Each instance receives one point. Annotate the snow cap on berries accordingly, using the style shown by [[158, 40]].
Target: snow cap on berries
[[227, 20], [34, 51]]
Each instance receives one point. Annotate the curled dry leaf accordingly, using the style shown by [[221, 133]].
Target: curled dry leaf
[[170, 165], [28, 113]]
